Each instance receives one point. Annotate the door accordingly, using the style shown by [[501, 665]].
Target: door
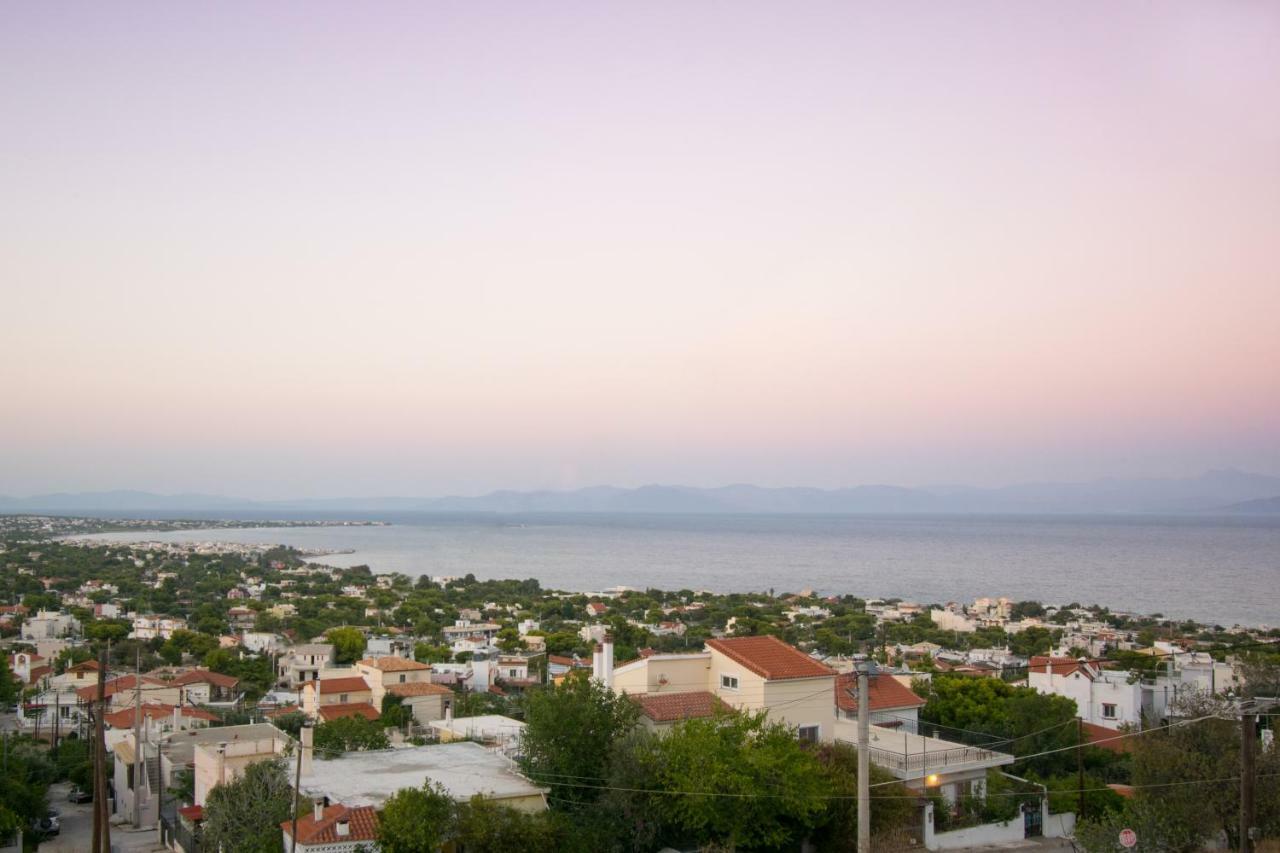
[[1032, 821]]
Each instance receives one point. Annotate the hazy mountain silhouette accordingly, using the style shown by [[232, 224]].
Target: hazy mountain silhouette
[[1214, 491]]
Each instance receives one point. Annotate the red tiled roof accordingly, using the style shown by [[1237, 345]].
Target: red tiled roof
[[281, 711], [570, 662], [1106, 738], [84, 666], [353, 684], [349, 709], [1058, 666], [362, 823], [124, 719], [39, 672], [204, 676], [668, 707], [116, 685], [419, 688], [885, 692], [391, 663], [769, 657]]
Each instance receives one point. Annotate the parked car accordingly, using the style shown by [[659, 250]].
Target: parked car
[[78, 796], [47, 825]]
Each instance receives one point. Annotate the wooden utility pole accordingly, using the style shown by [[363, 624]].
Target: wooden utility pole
[[1248, 736], [1080, 766], [138, 766], [101, 819], [297, 793], [863, 668]]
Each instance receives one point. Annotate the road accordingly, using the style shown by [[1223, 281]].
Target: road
[[77, 829]]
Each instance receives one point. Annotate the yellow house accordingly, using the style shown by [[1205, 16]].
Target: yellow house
[[745, 673]]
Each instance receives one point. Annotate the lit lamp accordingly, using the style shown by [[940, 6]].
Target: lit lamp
[[931, 781]]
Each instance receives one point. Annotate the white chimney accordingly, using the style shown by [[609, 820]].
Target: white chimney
[[317, 806], [602, 661], [177, 718], [307, 735], [343, 828], [448, 713]]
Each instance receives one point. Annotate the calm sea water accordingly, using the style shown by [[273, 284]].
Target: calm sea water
[[1224, 570]]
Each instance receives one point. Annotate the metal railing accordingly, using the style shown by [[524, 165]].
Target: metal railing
[[922, 762]]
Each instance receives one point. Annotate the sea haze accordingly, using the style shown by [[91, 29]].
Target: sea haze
[[1216, 569]]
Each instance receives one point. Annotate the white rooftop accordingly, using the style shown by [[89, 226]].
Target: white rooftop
[[484, 727], [464, 769]]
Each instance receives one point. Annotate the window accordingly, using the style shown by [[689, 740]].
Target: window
[[729, 682], [808, 734], [1108, 711], [342, 697], [402, 678]]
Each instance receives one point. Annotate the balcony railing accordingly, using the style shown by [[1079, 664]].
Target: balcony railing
[[924, 762]]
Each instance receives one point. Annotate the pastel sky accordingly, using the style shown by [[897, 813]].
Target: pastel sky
[[307, 248]]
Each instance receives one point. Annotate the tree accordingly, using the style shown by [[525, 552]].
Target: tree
[[350, 734], [893, 811], [348, 644], [428, 653], [416, 819], [395, 714], [1174, 808], [245, 814], [764, 788], [485, 826], [569, 731], [9, 686]]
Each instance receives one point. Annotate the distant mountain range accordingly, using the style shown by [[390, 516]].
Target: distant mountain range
[[1223, 491]]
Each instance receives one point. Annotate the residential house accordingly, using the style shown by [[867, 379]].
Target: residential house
[[122, 692], [152, 627], [382, 673], [462, 768], [303, 663], [332, 698], [747, 673], [660, 711], [1108, 698], [333, 829], [202, 687], [50, 624], [891, 703]]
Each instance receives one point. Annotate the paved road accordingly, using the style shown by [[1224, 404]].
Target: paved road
[[77, 829]]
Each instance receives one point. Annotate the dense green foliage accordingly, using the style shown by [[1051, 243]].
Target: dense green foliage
[[245, 814], [349, 734]]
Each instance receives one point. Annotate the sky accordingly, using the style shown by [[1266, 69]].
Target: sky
[[329, 249]]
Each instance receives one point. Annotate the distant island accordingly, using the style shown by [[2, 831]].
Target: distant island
[[1261, 506], [1226, 491]]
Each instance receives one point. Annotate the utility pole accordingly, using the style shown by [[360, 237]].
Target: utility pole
[[1248, 736], [138, 766], [101, 819], [297, 794], [863, 668], [1080, 766]]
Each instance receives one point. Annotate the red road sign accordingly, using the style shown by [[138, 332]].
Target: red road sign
[[1128, 838]]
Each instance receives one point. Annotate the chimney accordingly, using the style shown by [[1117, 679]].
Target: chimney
[[448, 713], [317, 809], [607, 661], [177, 718], [307, 735], [343, 828]]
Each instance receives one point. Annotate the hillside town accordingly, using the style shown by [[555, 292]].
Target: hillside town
[[160, 684]]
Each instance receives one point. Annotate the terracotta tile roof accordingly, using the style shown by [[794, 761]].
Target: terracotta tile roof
[[124, 719], [769, 657], [885, 691], [353, 684], [1058, 666], [281, 711], [204, 676], [391, 663], [39, 672], [668, 707], [419, 688], [84, 666], [116, 685], [570, 662], [1106, 738], [362, 823], [350, 709]]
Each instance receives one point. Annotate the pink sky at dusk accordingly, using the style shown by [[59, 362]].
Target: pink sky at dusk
[[304, 249]]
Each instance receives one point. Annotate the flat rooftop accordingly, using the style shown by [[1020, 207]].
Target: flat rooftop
[[464, 769]]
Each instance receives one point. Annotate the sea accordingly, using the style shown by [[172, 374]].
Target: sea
[[1218, 570]]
